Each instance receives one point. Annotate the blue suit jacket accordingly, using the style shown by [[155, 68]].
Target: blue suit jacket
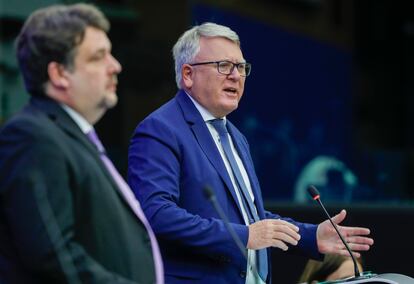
[[172, 156]]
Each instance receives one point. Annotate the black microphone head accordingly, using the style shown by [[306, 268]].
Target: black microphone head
[[314, 193], [208, 192]]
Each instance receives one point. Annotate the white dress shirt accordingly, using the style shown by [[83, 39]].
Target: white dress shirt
[[252, 277]]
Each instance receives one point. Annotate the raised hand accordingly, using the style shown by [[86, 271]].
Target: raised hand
[[329, 242]]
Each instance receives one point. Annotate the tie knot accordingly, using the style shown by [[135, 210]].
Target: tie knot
[[93, 137], [220, 125]]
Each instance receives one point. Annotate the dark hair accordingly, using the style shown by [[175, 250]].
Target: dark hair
[[320, 270], [53, 34]]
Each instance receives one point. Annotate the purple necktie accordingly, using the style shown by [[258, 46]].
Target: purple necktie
[[132, 201]]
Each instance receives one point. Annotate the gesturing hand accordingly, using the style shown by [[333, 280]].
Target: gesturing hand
[[272, 233], [329, 241]]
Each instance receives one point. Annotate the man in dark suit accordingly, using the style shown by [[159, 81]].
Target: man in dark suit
[[187, 144], [66, 215]]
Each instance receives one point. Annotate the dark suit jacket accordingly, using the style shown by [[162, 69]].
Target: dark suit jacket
[[172, 156], [62, 218]]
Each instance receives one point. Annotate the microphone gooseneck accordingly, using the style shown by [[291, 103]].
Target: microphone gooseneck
[[314, 193], [209, 194]]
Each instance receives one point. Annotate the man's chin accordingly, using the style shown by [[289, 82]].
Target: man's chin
[[111, 100], [226, 110], [232, 107]]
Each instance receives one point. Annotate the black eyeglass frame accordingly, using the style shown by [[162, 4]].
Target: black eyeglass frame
[[248, 66]]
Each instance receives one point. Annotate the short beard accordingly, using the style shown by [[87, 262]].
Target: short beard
[[108, 101]]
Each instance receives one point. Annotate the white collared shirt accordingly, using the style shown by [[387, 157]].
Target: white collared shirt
[[252, 277], [80, 121]]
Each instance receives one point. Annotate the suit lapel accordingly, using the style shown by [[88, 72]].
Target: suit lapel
[[206, 142], [65, 122], [56, 114]]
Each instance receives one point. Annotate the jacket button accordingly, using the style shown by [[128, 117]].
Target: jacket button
[[243, 274]]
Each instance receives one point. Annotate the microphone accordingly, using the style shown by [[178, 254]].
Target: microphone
[[314, 193], [209, 194]]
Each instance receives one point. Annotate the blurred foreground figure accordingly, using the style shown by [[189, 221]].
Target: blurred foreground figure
[[66, 215]]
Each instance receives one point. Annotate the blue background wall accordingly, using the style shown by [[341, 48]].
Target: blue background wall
[[297, 100]]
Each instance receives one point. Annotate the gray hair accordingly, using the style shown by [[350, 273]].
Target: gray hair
[[188, 45], [53, 34]]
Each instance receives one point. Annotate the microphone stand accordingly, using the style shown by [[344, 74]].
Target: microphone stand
[[208, 192], [316, 196]]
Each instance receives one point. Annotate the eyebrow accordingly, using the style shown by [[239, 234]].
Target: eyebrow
[[99, 51]]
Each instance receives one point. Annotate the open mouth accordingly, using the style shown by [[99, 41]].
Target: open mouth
[[231, 90]]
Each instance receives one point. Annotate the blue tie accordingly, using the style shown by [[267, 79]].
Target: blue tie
[[220, 126]]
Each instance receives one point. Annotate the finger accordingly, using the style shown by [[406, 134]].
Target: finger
[[354, 231], [358, 247], [283, 222], [279, 244], [286, 230], [285, 238], [360, 240], [342, 250], [338, 218]]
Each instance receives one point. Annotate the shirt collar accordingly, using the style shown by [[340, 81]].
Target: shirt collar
[[207, 116], [83, 124]]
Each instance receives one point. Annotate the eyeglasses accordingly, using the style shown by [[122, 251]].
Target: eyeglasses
[[226, 67]]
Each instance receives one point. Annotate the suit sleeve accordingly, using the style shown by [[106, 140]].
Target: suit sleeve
[[307, 245], [154, 173], [37, 204]]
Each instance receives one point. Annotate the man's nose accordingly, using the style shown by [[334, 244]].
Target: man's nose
[[115, 65], [235, 74]]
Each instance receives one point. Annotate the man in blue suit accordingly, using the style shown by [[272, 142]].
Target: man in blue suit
[[187, 144]]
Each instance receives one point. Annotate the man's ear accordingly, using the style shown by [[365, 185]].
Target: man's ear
[[187, 76], [58, 83], [57, 75]]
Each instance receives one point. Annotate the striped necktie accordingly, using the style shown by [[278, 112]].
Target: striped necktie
[[247, 203]]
